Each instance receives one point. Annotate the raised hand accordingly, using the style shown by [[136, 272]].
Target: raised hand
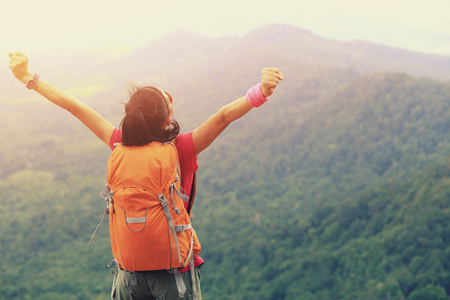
[[270, 78], [18, 64]]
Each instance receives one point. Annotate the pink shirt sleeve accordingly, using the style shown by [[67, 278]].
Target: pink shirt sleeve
[[116, 137], [188, 159], [186, 151]]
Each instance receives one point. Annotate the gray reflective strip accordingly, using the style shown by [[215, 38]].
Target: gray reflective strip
[[181, 228], [136, 220]]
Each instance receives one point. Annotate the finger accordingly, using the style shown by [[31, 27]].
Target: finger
[[12, 64], [10, 54], [269, 84], [280, 75], [271, 79], [277, 74], [21, 54], [274, 72], [271, 69]]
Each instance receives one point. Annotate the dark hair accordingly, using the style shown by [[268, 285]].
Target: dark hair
[[145, 115]]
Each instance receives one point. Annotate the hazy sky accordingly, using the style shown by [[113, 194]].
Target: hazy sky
[[53, 26]]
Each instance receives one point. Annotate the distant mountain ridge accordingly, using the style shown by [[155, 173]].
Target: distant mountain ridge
[[183, 52], [183, 56]]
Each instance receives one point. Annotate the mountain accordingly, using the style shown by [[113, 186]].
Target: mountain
[[186, 55], [182, 58]]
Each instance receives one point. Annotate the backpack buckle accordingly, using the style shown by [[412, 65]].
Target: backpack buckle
[[163, 200]]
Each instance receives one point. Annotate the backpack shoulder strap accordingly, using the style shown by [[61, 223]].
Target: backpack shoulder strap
[[192, 194]]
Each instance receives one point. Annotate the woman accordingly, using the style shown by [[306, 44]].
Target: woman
[[148, 117]]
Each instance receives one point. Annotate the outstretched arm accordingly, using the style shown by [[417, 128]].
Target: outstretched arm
[[207, 132], [96, 123]]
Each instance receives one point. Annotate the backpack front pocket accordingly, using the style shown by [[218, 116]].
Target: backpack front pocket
[[136, 220]]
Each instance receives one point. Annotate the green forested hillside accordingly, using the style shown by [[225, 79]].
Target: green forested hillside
[[303, 182], [45, 228], [337, 188], [377, 127], [389, 242]]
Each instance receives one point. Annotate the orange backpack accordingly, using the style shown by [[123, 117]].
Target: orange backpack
[[150, 228]]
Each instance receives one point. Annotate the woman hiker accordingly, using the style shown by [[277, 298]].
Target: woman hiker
[[148, 118]]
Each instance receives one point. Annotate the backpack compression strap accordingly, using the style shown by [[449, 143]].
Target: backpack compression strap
[[165, 205], [180, 283], [179, 194]]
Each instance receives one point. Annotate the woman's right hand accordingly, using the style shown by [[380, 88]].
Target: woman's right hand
[[269, 80], [19, 66]]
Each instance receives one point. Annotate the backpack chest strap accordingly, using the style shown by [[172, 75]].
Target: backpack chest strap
[[181, 228]]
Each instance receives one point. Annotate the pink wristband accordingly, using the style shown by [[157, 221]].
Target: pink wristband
[[255, 96]]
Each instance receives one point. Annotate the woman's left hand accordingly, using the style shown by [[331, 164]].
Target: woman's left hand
[[269, 81], [19, 66]]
